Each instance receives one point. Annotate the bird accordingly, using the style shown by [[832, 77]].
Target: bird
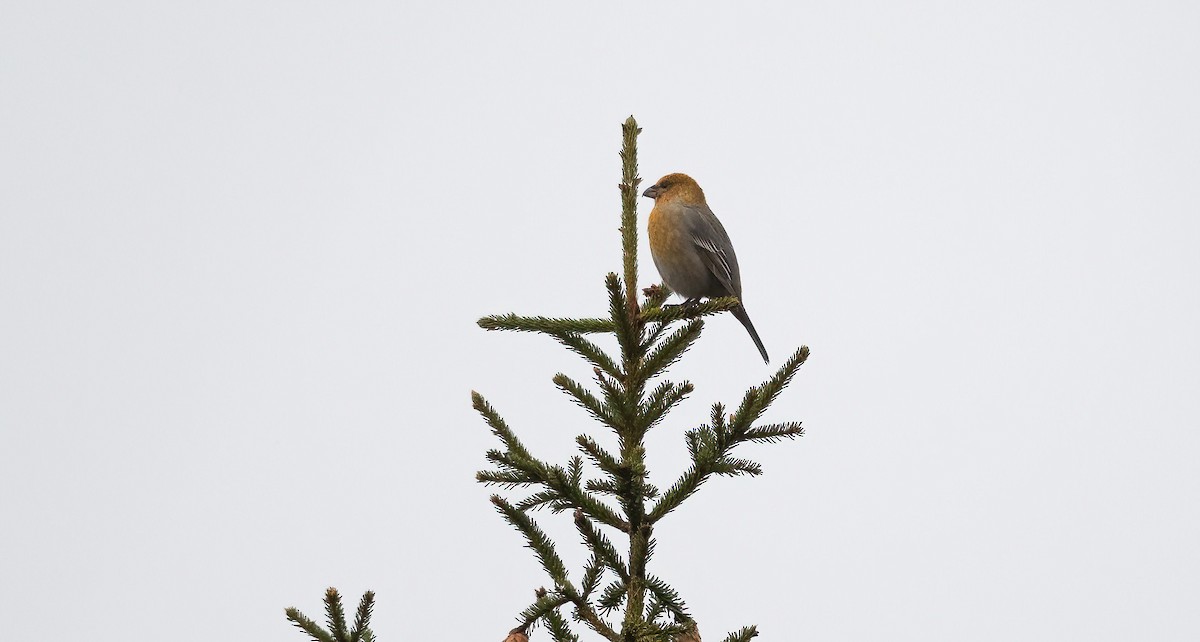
[[691, 249]]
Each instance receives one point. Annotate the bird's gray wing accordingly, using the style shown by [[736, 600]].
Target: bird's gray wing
[[716, 250]]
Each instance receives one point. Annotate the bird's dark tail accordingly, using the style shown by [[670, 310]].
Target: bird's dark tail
[[739, 313]]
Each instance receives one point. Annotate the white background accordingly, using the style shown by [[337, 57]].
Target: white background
[[243, 247]]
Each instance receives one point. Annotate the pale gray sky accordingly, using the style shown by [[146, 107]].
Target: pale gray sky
[[243, 247]]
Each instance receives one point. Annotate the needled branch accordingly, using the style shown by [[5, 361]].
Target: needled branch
[[304, 623], [518, 467], [559, 630], [670, 350], [547, 325], [710, 445], [667, 598], [336, 620], [362, 618], [687, 312], [665, 397], [601, 547], [535, 539], [744, 635], [590, 351], [758, 398], [336, 615], [546, 602]]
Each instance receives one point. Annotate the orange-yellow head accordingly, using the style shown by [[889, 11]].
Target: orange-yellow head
[[675, 187]]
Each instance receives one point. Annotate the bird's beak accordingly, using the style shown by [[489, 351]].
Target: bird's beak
[[651, 192]]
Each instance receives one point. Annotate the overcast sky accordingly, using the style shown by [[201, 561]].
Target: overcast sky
[[243, 247]]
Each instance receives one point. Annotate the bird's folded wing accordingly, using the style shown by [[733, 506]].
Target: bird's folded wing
[[715, 249]]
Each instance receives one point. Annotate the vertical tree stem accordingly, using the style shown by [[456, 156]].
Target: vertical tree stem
[[633, 456], [629, 196]]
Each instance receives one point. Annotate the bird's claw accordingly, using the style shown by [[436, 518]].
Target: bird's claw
[[686, 306]]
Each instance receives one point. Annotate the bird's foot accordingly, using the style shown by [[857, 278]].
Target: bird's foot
[[687, 306]]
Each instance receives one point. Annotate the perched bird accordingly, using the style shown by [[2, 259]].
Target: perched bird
[[691, 249]]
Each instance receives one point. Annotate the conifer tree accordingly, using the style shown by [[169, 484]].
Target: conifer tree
[[608, 492]]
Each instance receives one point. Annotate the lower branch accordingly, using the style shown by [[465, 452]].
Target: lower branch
[[588, 614]]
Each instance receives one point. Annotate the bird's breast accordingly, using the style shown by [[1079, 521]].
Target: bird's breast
[[675, 254], [665, 232]]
